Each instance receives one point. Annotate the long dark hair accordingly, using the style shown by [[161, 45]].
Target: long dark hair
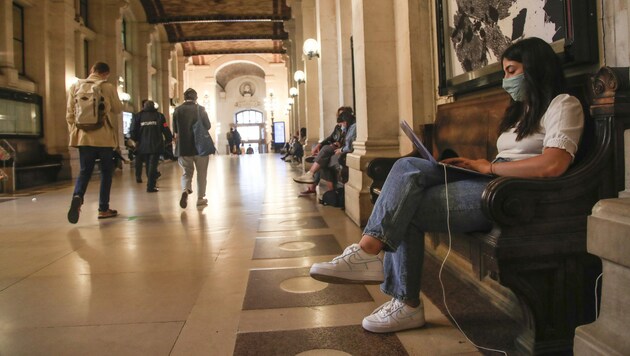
[[544, 80]]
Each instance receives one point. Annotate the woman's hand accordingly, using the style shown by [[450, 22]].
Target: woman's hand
[[553, 162], [479, 165], [338, 151]]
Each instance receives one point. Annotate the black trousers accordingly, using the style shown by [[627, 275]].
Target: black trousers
[[151, 160]]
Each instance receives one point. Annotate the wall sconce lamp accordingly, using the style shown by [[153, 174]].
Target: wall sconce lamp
[[125, 97], [299, 76], [290, 102], [293, 92], [311, 48]]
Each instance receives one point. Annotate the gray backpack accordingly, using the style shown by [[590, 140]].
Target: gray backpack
[[89, 105]]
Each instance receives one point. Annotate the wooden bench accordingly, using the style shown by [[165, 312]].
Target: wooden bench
[[537, 246]]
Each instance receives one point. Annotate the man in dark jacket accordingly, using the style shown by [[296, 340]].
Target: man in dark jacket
[[148, 129], [184, 117], [236, 137]]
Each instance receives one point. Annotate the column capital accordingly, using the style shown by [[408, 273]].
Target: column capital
[[289, 26], [121, 4], [292, 3]]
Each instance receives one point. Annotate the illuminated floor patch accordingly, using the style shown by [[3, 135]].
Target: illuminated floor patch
[[296, 246], [288, 224]]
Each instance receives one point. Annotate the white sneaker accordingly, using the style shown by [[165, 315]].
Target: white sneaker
[[353, 266], [394, 316], [306, 178], [202, 202]]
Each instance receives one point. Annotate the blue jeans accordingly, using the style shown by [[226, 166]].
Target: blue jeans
[[412, 202], [87, 159]]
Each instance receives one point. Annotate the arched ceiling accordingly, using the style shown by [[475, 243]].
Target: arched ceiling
[[206, 27], [235, 70]]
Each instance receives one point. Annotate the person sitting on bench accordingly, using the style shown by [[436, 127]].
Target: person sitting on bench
[[324, 153], [539, 136]]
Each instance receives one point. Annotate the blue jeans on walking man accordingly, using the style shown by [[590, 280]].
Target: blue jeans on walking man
[[87, 159]]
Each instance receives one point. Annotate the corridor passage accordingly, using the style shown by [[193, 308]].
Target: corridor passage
[[228, 278]]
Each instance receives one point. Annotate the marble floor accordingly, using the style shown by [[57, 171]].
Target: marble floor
[[230, 278]]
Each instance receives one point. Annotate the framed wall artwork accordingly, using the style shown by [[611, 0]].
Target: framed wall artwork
[[472, 35]]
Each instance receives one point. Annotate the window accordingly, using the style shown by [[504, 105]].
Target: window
[[18, 38], [20, 114], [83, 11], [127, 77], [123, 34], [249, 117], [86, 58]]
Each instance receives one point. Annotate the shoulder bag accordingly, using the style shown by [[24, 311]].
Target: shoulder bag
[[203, 140]]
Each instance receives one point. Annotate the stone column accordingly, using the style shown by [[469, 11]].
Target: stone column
[[376, 89], [59, 54], [7, 65], [164, 77], [609, 238], [181, 67], [289, 60], [298, 62], [328, 65], [141, 63], [314, 130], [344, 34], [111, 46]]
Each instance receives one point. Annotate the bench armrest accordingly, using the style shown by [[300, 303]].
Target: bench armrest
[[379, 168], [512, 201]]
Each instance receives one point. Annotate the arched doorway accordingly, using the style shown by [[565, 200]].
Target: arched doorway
[[251, 126]]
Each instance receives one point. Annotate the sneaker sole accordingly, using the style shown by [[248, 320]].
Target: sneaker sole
[[399, 327], [108, 216], [347, 278], [303, 181], [73, 213]]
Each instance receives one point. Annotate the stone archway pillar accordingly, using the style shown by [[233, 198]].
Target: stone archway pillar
[[328, 65], [376, 88], [311, 68]]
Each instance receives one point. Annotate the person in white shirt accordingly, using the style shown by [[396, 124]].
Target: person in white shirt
[[539, 137]]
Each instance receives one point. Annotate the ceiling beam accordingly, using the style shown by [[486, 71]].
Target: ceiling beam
[[217, 18]]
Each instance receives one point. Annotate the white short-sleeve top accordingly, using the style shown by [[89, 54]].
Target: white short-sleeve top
[[560, 127]]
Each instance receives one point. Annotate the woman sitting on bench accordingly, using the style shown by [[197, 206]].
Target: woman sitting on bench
[[539, 136]]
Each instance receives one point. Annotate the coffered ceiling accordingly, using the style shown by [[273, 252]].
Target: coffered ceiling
[[205, 27]]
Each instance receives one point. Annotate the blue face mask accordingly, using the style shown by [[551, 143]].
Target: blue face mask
[[514, 87], [343, 128]]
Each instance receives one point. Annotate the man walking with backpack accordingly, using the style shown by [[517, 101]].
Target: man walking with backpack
[[92, 116]]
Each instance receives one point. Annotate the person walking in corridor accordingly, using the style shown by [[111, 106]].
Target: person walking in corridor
[[184, 117], [149, 130], [92, 115]]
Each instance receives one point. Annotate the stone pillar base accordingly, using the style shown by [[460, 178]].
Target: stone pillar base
[[609, 238]]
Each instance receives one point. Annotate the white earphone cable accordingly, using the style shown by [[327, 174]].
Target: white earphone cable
[[448, 225]]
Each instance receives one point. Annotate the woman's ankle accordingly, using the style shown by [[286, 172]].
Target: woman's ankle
[[371, 245], [412, 303]]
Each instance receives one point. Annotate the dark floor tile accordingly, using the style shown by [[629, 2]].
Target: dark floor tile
[[264, 291], [350, 339], [296, 246]]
